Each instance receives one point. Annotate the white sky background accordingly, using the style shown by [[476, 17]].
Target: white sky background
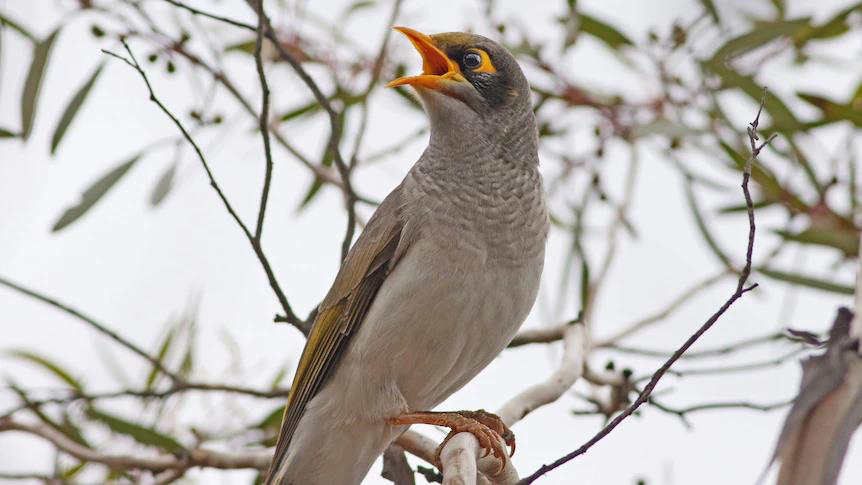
[[136, 268]]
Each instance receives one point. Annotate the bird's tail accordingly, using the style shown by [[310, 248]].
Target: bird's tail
[[327, 451]]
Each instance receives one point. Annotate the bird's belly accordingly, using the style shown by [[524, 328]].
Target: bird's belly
[[437, 321]]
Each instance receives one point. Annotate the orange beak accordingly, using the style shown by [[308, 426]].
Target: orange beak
[[437, 68]]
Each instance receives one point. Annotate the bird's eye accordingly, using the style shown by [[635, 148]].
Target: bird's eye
[[472, 60]]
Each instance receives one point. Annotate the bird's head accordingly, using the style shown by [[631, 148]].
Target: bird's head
[[469, 83]]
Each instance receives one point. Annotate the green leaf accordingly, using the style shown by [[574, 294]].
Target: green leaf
[[810, 282], [5, 21], [702, 226], [72, 108], [761, 34], [48, 365], [163, 185], [783, 119], [834, 27], [661, 126], [306, 109], [847, 241], [831, 110], [141, 434], [779, 7], [92, 195], [33, 84], [732, 209], [70, 429], [246, 46], [4, 133], [586, 284], [602, 31], [709, 6], [315, 187], [160, 357], [279, 376], [272, 419], [70, 472], [357, 6], [771, 188]]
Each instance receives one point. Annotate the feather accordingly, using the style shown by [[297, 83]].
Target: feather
[[367, 265]]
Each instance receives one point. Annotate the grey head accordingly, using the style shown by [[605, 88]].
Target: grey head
[[475, 94]]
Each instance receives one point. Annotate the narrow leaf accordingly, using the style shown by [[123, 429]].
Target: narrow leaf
[[782, 117], [602, 31], [164, 185], [844, 239], [92, 195], [760, 35], [141, 434], [72, 108], [808, 281], [4, 133], [48, 365], [357, 6], [709, 6], [160, 357], [703, 228], [33, 84], [315, 187], [7, 22]]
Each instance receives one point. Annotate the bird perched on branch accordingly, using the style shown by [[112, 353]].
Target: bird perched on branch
[[437, 284]]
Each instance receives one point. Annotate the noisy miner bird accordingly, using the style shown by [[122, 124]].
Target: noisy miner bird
[[436, 285]]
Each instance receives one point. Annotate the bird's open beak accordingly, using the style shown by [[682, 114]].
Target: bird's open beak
[[437, 68]]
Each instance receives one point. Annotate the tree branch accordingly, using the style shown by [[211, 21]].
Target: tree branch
[[197, 457], [738, 292], [258, 250], [101, 328], [264, 125]]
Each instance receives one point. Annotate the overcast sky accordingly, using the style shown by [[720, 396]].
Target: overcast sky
[[136, 268]]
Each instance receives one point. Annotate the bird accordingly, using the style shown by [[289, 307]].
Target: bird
[[436, 285]]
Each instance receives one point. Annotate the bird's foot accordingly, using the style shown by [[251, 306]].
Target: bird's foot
[[488, 429]]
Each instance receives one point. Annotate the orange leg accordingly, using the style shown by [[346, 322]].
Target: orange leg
[[486, 427]]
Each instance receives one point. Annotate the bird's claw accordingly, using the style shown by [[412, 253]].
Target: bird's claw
[[488, 429]]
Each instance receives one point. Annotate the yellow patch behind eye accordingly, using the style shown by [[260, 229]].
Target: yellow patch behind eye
[[487, 65]]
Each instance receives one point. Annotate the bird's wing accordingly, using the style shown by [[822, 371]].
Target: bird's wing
[[367, 264]]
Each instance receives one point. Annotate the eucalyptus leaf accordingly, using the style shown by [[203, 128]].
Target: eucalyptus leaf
[[163, 185], [5, 21], [703, 227], [709, 6], [808, 281], [92, 195], [72, 108], [783, 119], [48, 365], [164, 348], [602, 31], [761, 34], [141, 434], [33, 84]]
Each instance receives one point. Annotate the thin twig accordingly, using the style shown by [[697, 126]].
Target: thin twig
[[334, 133], [376, 69], [100, 327], [190, 458], [706, 353], [273, 283], [182, 387], [264, 124], [683, 412], [226, 20], [740, 290]]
